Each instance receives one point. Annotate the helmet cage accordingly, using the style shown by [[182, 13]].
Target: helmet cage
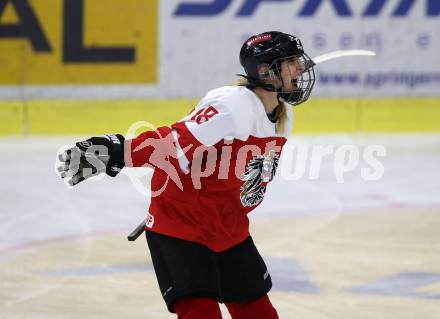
[[304, 82]]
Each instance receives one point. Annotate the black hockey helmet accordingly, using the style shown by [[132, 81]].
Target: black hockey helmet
[[271, 49]]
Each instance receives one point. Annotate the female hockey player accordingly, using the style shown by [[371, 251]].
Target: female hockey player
[[210, 170]]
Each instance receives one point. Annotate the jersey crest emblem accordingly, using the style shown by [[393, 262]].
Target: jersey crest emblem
[[259, 172]]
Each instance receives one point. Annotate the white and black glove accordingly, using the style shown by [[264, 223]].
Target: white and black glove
[[92, 157]]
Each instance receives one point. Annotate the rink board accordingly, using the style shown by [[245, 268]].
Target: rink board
[[55, 117]]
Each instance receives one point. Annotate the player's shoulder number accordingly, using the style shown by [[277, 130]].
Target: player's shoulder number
[[205, 114]]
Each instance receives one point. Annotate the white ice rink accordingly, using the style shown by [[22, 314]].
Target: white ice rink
[[356, 249]]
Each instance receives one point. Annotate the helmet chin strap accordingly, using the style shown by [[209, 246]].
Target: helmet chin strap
[[279, 91], [278, 98], [254, 83]]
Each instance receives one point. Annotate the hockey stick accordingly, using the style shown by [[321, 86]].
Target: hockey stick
[[341, 53], [137, 231]]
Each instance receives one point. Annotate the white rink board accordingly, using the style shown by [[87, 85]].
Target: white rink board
[[408, 43], [198, 52]]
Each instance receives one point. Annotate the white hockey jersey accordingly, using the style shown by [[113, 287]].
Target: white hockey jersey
[[211, 168]]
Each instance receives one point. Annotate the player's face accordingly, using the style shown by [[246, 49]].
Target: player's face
[[291, 70]]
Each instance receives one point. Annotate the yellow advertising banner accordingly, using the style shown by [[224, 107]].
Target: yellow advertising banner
[[78, 41], [54, 117]]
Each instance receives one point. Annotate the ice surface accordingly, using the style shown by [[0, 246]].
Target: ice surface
[[36, 205]]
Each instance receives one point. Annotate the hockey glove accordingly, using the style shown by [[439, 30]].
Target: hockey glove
[[92, 157]]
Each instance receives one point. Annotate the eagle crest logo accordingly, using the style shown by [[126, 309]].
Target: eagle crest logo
[[259, 172]]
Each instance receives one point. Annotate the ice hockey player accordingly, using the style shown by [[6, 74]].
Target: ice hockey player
[[211, 169]]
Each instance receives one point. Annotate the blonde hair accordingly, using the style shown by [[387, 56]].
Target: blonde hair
[[281, 112]]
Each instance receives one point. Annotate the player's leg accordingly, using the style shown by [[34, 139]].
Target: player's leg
[[197, 308], [245, 282], [260, 308], [187, 274]]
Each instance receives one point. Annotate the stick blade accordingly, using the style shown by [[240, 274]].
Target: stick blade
[[342, 53]]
